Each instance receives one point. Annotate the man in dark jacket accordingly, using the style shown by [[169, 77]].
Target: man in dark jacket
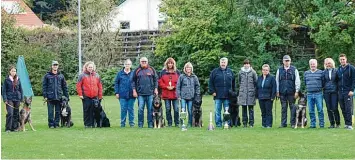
[[287, 86], [346, 86], [54, 87], [145, 84], [221, 81]]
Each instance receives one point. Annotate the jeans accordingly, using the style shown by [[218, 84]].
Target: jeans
[[346, 105], [315, 99], [331, 101], [127, 106], [266, 112], [287, 100], [218, 107], [245, 115], [53, 113], [145, 100], [175, 104], [12, 116], [185, 102]]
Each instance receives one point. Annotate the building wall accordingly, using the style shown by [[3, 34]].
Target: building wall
[[142, 15]]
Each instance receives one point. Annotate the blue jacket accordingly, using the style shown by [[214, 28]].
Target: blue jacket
[[346, 77], [330, 85], [268, 91], [145, 80], [221, 81], [11, 92], [54, 86], [123, 84], [287, 80], [314, 81]]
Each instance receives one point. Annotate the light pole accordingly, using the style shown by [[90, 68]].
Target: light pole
[[79, 36]]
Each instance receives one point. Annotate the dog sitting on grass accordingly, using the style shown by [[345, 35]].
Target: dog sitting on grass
[[25, 114], [158, 119], [301, 119]]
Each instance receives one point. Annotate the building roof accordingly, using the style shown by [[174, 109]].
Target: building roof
[[22, 13]]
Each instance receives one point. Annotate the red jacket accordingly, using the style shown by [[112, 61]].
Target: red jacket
[[165, 78], [89, 85]]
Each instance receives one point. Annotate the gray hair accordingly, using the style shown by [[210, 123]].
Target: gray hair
[[127, 61], [313, 60], [224, 59], [143, 58]]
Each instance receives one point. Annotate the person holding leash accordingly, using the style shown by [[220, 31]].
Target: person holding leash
[[167, 83], [221, 81], [187, 88], [54, 87], [89, 88], [12, 95]]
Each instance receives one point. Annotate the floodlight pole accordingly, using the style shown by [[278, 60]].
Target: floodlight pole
[[79, 36]]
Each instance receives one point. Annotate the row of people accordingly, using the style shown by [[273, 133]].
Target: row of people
[[143, 83]]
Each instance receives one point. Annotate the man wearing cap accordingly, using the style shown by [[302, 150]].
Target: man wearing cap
[[287, 86], [53, 88]]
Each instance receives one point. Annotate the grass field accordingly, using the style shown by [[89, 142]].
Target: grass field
[[167, 143]]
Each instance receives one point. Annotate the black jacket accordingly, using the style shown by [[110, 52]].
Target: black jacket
[[144, 80], [221, 81], [269, 89], [54, 86], [11, 92], [346, 77], [330, 85]]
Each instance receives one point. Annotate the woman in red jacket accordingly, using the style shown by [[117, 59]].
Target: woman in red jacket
[[167, 83], [89, 88]]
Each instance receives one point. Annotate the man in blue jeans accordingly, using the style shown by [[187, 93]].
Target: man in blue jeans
[[144, 85], [313, 79], [346, 86], [221, 81]]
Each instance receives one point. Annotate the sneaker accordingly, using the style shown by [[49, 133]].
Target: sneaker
[[349, 128], [251, 126], [292, 126], [51, 127], [282, 126], [131, 126], [337, 126], [331, 127], [7, 131], [345, 126], [268, 127]]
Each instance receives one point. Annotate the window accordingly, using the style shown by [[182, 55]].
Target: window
[[160, 23], [125, 25], [12, 7]]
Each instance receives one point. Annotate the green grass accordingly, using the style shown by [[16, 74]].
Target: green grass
[[116, 142]]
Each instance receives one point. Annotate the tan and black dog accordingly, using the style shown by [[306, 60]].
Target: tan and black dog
[[301, 119], [158, 118], [197, 112], [25, 115]]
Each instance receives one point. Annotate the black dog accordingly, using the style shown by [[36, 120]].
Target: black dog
[[301, 119], [158, 118], [65, 114], [197, 111], [234, 109], [100, 116]]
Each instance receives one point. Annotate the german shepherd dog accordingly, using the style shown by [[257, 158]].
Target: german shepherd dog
[[100, 117], [301, 119], [65, 114], [197, 111], [234, 109], [25, 114], [158, 118]]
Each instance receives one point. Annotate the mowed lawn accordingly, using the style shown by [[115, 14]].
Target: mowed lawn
[[196, 143]]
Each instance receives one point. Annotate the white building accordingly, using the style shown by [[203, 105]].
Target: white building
[[137, 15]]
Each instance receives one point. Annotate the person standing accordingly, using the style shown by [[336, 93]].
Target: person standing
[[346, 86], [89, 88], [167, 83], [221, 81], [54, 87], [145, 85], [330, 92], [12, 95], [124, 92], [187, 88], [313, 79], [288, 84], [247, 79], [266, 93]]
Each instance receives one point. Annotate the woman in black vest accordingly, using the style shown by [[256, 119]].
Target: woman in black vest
[[12, 96], [266, 92]]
